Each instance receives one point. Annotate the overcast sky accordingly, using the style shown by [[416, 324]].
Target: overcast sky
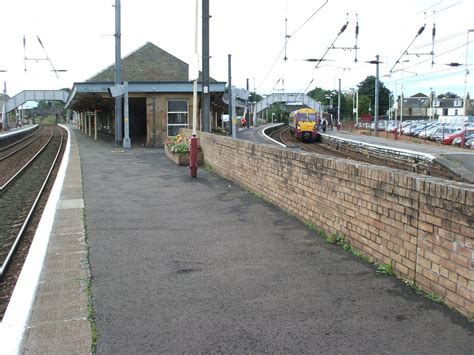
[[78, 37]]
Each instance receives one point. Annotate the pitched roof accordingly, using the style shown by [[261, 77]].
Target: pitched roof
[[147, 63], [416, 102], [420, 94]]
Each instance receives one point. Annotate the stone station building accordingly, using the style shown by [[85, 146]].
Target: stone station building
[[160, 97]]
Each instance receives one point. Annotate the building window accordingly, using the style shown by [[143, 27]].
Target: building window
[[455, 112], [177, 116], [457, 103]]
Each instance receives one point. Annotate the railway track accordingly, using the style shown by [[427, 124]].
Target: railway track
[[20, 195], [18, 145], [284, 136], [280, 136]]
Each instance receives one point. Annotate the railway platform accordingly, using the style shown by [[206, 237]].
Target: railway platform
[[16, 130], [183, 265], [455, 158], [460, 161]]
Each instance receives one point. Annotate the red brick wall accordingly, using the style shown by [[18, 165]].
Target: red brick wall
[[422, 226]]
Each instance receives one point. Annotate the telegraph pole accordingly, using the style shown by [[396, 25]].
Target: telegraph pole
[[338, 124], [118, 77], [206, 102], [231, 111], [376, 108], [247, 121]]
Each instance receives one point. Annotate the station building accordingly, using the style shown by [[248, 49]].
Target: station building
[[160, 96]]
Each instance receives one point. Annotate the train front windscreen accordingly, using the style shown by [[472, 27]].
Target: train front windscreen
[[307, 117]]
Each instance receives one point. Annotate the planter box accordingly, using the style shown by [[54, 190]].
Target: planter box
[[182, 159]]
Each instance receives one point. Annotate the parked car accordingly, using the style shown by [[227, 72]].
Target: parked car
[[425, 133], [448, 139], [457, 141], [391, 126], [469, 143], [442, 132]]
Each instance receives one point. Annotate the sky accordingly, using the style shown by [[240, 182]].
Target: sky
[[78, 38]]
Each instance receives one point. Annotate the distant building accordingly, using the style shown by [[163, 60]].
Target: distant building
[[416, 106], [3, 99], [420, 106], [452, 106], [160, 95]]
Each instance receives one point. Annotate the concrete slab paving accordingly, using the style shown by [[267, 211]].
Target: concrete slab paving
[[58, 321], [182, 265]]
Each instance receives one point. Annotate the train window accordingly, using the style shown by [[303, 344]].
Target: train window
[[307, 117], [177, 116]]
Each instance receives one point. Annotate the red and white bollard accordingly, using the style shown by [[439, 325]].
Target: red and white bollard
[[193, 156]]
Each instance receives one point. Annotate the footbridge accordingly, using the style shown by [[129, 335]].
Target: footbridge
[[35, 95], [287, 97]]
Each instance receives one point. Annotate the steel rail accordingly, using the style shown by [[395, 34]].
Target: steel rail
[[21, 147], [22, 139], [27, 220], [27, 164]]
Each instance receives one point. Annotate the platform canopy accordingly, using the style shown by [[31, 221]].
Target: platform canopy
[[149, 69]]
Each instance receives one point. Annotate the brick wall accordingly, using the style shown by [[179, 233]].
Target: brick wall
[[422, 226]]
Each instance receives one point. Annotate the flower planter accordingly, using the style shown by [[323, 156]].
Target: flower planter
[[182, 158]]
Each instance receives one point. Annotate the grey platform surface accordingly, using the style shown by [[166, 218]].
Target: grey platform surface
[[182, 265], [455, 158], [58, 323]]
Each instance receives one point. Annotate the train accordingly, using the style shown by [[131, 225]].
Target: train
[[305, 122]]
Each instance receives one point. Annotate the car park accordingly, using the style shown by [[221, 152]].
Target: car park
[[457, 141], [469, 143], [425, 133], [448, 139], [440, 133]]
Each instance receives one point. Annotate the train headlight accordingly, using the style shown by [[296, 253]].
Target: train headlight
[[298, 127]]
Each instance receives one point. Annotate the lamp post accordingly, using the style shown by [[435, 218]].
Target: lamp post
[[118, 76], [431, 104], [330, 106], [338, 125], [355, 104], [4, 110], [467, 71], [401, 98]]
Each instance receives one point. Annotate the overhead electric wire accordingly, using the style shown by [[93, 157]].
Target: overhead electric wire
[[37, 59], [438, 55], [47, 57], [286, 42], [420, 31], [430, 7], [419, 76], [447, 38], [341, 31], [309, 18], [446, 8]]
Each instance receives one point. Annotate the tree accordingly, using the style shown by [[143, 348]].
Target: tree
[[254, 97], [448, 95], [367, 88], [277, 112], [364, 103], [322, 95], [318, 94]]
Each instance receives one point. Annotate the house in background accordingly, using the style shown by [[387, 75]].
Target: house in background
[[160, 96], [452, 107], [416, 106], [420, 106]]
